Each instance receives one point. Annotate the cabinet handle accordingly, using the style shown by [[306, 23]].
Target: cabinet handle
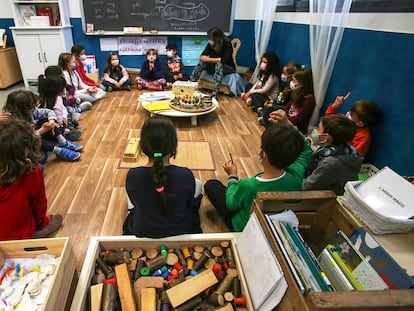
[[44, 57], [38, 55]]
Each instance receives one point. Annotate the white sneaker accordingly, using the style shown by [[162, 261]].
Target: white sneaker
[[85, 106]]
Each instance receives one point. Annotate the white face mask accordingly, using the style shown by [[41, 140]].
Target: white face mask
[[170, 54], [348, 115], [152, 58], [315, 136], [292, 85], [211, 42], [115, 62], [283, 77], [82, 57]]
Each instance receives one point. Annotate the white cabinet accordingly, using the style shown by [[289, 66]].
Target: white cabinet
[[40, 40]]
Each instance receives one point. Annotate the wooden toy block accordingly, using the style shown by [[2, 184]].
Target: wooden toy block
[[148, 299], [131, 150], [124, 287], [145, 282], [96, 297], [191, 287]]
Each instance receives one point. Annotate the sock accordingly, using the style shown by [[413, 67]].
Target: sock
[[61, 140], [57, 150]]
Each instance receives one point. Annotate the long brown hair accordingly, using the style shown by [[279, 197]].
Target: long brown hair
[[306, 89], [20, 104], [218, 35], [19, 152]]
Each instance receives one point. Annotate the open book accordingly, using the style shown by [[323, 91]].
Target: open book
[[264, 276]]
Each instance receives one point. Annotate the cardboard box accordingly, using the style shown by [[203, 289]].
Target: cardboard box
[[94, 75], [320, 217], [64, 275], [10, 72], [80, 300], [133, 74]]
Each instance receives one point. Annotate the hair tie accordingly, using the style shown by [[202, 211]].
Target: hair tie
[[157, 154], [160, 189]]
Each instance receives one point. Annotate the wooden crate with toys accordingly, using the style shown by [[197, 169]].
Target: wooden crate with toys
[[321, 217], [37, 274], [184, 272]]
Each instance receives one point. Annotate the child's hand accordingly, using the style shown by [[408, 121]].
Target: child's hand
[[279, 117], [230, 167], [341, 99], [65, 121], [4, 115], [92, 89]]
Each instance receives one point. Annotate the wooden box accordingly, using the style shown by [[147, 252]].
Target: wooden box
[[61, 284], [184, 88], [10, 70], [81, 298], [320, 217], [133, 74]]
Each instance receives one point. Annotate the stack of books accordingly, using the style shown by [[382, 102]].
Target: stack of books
[[345, 264], [383, 202]]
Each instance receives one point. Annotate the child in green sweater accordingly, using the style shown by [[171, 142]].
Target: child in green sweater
[[285, 154]]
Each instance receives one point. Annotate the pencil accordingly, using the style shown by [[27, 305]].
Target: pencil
[[231, 158]]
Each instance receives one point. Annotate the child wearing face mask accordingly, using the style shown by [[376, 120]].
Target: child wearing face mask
[[364, 114], [173, 66], [79, 52], [115, 75], [266, 87], [302, 102], [283, 97], [335, 161], [152, 73]]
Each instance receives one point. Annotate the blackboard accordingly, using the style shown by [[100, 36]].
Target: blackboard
[[165, 16]]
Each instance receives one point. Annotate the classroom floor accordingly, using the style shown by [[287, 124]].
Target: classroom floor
[[90, 193]]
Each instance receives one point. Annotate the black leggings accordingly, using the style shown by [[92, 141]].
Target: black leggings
[[216, 193]]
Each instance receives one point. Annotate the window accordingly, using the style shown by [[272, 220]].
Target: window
[[357, 6]]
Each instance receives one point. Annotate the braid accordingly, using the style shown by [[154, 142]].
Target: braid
[[160, 179]]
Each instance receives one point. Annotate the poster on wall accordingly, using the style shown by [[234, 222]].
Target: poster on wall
[[108, 44], [130, 45], [140, 45]]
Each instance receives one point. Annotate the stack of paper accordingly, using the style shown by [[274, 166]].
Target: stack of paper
[[155, 96], [384, 202]]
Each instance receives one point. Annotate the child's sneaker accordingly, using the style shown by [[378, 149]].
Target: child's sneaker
[[68, 155], [109, 89], [72, 146], [85, 106]]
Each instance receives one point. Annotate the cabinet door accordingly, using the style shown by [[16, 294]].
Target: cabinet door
[[30, 55], [52, 45]]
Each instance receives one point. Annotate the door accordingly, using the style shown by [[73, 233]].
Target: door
[[30, 55], [51, 45]]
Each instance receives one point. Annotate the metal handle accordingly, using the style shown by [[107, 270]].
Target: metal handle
[[44, 57], [38, 55]]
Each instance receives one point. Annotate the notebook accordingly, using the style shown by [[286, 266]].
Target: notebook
[[389, 195]]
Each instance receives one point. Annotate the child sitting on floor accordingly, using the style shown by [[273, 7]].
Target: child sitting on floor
[[173, 67], [115, 75], [165, 197], [152, 74], [285, 155], [364, 114], [334, 162], [23, 203]]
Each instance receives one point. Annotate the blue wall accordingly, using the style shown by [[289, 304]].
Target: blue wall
[[372, 65]]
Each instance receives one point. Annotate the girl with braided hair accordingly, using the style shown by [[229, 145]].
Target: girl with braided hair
[[165, 198]]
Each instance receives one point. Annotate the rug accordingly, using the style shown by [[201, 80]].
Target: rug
[[196, 155]]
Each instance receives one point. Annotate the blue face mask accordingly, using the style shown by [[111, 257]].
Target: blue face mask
[[75, 66]]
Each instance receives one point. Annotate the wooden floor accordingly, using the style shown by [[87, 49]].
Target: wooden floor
[[90, 193]]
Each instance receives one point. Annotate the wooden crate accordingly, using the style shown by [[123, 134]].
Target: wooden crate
[[320, 217], [61, 284], [80, 299]]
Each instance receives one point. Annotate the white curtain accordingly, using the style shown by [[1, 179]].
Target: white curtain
[[328, 20], [265, 13]]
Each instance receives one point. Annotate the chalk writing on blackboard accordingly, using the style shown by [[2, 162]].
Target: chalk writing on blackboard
[[193, 13], [196, 16]]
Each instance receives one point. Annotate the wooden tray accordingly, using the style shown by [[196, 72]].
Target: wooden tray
[[191, 110]]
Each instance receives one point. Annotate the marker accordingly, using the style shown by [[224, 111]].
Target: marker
[[231, 158]]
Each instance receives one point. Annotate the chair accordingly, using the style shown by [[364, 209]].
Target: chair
[[232, 84]]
